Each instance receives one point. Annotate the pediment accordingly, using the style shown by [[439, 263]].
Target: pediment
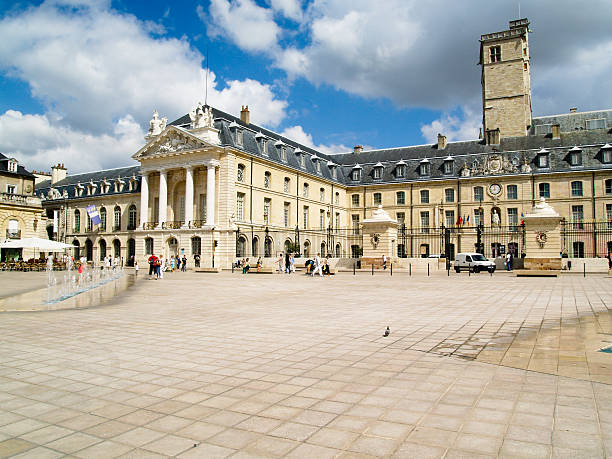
[[171, 141]]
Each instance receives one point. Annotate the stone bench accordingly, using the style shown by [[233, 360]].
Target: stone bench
[[262, 270], [207, 270]]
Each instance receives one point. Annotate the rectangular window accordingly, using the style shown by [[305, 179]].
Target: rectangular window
[[149, 246], [576, 188], [609, 215], [608, 186], [355, 223], [449, 218], [542, 160], [424, 169], [495, 53], [286, 213], [478, 194], [337, 219], [286, 185], [322, 219], [424, 196], [181, 212], [576, 158], [238, 137], [401, 218], [305, 217], [377, 199], [512, 192], [264, 147], [283, 154], [449, 195], [303, 160], [578, 217], [401, 198], [10, 189], [513, 217], [322, 194], [355, 200], [266, 210], [425, 221], [305, 190], [578, 249], [337, 198], [596, 124], [356, 174], [89, 224], [239, 206], [203, 207], [478, 217], [377, 173], [544, 190], [448, 167], [400, 171], [606, 156]]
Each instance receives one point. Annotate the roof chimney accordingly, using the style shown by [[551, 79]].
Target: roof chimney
[[58, 172], [245, 115], [573, 110], [357, 148], [441, 142]]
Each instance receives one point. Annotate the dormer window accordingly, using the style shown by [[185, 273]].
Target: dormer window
[[301, 156], [378, 171], [400, 169], [12, 165], [575, 157], [263, 142], [542, 158], [239, 137], [356, 173], [282, 151], [332, 168], [606, 154], [424, 167], [133, 183], [91, 188], [119, 184], [79, 190], [449, 165]]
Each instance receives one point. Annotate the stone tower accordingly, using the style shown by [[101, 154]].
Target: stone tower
[[506, 86]]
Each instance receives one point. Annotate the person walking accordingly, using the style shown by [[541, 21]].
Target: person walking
[[135, 268], [317, 266], [184, 264], [509, 261], [152, 266], [287, 263], [384, 261], [245, 266], [162, 266], [280, 262], [178, 263], [196, 259], [292, 263]]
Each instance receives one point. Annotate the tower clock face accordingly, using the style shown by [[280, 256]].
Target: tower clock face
[[495, 189]]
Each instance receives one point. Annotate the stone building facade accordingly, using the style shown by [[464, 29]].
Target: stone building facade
[[215, 184]]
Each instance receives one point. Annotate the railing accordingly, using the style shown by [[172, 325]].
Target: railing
[[13, 234], [14, 198], [172, 225], [116, 227], [131, 227], [197, 223], [150, 225], [586, 239]]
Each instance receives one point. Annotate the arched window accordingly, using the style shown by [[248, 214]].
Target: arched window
[[286, 185], [196, 245], [117, 224], [102, 245], [306, 248], [267, 179], [305, 191], [241, 246], [117, 248], [322, 194], [255, 246], [149, 246], [77, 221], [77, 249], [240, 175], [132, 217], [102, 218]]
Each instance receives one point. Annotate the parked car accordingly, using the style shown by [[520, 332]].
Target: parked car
[[474, 261]]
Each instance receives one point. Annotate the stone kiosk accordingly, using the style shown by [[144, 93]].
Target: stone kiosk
[[379, 238], [542, 241]]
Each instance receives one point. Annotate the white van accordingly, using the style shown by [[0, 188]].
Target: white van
[[473, 261]]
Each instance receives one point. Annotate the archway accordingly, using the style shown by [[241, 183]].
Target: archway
[[131, 249], [288, 246], [255, 247], [323, 249], [172, 244], [102, 247], [306, 249], [76, 251], [116, 248], [89, 250], [338, 250], [241, 247]]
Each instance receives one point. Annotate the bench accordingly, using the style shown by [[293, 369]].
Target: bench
[[207, 270], [262, 270]]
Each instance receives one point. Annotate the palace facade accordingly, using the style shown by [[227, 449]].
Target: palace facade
[[217, 185]]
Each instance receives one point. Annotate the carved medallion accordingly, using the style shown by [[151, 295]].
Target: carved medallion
[[375, 239], [541, 238]]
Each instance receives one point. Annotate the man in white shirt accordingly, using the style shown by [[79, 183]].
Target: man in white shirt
[[317, 265]]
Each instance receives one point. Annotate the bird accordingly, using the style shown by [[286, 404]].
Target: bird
[[387, 331]]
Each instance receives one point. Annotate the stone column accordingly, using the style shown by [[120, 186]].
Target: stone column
[[163, 196], [144, 199], [210, 195], [188, 195]]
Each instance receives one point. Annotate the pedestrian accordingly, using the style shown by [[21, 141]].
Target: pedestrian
[[280, 262], [287, 263], [162, 266], [317, 266], [259, 264], [196, 259], [292, 261], [178, 263], [152, 266], [245, 266], [384, 261], [157, 268], [135, 268], [184, 264], [509, 261], [80, 273]]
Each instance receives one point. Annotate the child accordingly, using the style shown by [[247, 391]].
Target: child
[[135, 268]]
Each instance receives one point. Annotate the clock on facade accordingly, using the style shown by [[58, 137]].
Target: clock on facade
[[495, 189]]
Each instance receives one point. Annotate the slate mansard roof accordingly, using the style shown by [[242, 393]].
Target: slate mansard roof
[[67, 188], [21, 171], [473, 154]]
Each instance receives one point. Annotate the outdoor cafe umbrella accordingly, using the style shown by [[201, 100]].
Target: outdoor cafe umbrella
[[36, 243]]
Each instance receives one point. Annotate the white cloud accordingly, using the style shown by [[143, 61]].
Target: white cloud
[[291, 9], [464, 124], [248, 25], [93, 66], [37, 142], [297, 134]]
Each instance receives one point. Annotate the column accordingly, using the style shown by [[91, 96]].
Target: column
[[188, 195], [144, 199], [210, 195], [163, 196]]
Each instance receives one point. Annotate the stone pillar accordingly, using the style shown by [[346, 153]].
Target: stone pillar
[[188, 195], [210, 195], [379, 237], [144, 199], [542, 238], [163, 197]]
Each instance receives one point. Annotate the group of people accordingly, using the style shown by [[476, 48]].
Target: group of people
[[318, 265], [158, 265]]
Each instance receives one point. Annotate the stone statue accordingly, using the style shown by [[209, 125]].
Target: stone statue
[[201, 116], [156, 125], [465, 171], [525, 167], [495, 218]]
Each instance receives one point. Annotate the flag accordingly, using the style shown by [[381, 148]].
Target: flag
[[468, 220], [93, 214]]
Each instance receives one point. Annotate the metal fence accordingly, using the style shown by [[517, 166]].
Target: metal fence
[[491, 241], [586, 239]]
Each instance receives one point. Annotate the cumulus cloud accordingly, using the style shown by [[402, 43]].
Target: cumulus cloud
[[291, 9], [249, 26], [38, 142], [298, 134], [92, 66], [462, 124]]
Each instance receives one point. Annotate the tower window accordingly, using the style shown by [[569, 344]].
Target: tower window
[[495, 53]]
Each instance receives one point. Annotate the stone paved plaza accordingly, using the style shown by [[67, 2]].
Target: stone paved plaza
[[225, 365]]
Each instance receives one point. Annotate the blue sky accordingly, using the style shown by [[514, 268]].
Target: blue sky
[[79, 79]]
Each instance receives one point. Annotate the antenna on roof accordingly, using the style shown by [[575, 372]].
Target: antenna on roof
[[519, 6], [206, 90]]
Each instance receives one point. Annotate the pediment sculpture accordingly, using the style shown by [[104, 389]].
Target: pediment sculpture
[[157, 125], [174, 144], [201, 117]]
